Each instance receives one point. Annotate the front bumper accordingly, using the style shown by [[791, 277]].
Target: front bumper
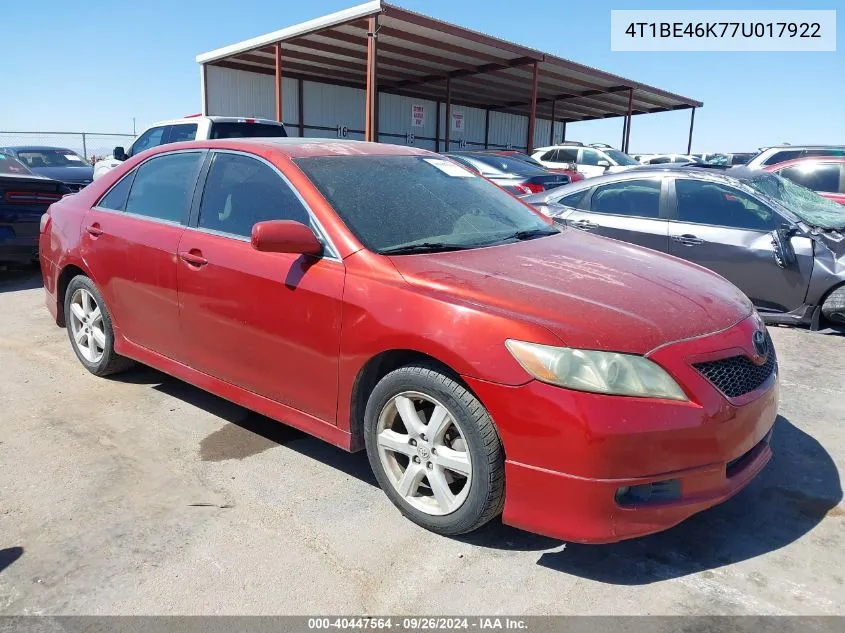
[[568, 453]]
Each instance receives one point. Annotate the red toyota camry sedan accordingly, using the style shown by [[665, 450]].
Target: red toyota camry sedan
[[385, 298]]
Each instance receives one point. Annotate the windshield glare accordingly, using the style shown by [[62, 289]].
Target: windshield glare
[[807, 205], [621, 158], [51, 158], [390, 202]]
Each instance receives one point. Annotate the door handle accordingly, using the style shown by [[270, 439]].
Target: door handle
[[94, 230], [584, 225], [687, 240], [193, 257]]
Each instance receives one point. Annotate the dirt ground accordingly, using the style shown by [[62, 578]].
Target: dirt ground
[[143, 495]]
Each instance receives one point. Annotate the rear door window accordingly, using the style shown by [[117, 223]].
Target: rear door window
[[566, 156], [163, 186], [779, 157], [115, 199], [816, 177], [575, 200], [182, 132], [635, 198], [703, 202], [241, 191], [242, 129]]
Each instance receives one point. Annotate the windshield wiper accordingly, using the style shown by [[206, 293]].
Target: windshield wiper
[[531, 234], [423, 247]]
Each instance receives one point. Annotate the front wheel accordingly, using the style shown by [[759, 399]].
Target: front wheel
[[833, 307], [90, 329], [434, 450]]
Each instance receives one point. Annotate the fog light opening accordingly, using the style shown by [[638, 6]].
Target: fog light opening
[[645, 494]]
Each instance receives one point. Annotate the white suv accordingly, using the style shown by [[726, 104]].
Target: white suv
[[192, 128], [781, 153], [590, 161]]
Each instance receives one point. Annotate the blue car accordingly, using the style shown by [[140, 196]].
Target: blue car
[[56, 163]]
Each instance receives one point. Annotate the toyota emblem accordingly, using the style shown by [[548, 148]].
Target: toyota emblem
[[761, 345]]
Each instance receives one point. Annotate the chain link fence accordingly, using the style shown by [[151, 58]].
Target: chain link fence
[[91, 145]]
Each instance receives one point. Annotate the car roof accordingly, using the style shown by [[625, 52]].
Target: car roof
[[801, 147], [216, 119], [297, 147], [35, 148], [803, 160], [728, 175]]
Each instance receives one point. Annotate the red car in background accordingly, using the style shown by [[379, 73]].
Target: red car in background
[[824, 175], [386, 298], [573, 173]]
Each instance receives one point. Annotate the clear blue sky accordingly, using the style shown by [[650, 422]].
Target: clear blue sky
[[92, 66]]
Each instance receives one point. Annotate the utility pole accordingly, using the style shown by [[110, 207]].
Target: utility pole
[[133, 126]]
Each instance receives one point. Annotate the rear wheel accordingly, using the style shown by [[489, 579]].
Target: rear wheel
[[434, 450], [90, 330], [833, 308]]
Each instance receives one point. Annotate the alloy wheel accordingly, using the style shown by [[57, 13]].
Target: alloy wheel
[[86, 324], [424, 453]]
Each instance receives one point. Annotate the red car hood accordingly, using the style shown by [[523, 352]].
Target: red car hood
[[591, 292]]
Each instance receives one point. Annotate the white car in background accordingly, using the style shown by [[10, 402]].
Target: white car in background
[[662, 159], [190, 128], [590, 161]]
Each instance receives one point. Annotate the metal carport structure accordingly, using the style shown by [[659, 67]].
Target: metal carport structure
[[399, 76]]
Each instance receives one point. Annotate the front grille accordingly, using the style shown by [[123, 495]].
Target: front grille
[[738, 375]]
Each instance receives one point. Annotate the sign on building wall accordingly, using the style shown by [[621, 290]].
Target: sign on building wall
[[417, 115], [457, 121]]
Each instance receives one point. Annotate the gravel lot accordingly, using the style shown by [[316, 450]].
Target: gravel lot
[[144, 495]]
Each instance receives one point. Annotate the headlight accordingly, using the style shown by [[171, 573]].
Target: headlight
[[598, 372]]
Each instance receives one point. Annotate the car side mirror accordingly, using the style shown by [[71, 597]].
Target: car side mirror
[[285, 236], [119, 153], [603, 163], [784, 253]]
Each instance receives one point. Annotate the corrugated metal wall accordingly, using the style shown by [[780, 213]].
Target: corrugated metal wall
[[328, 107], [508, 130], [239, 93], [332, 111], [396, 121]]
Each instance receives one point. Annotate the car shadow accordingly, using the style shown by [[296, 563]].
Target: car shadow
[[9, 556], [797, 490], [794, 493], [13, 279], [263, 430]]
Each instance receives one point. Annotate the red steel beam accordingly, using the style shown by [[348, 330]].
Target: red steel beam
[[532, 116], [371, 125], [278, 53]]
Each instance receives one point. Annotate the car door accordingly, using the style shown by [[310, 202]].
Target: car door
[[630, 210], [129, 244], [266, 322], [730, 232]]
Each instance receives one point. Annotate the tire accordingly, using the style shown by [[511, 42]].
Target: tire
[[96, 353], [464, 451], [833, 308]]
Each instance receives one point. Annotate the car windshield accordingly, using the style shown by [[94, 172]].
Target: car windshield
[[504, 165], [34, 158], [9, 165], [621, 158], [525, 159], [806, 204], [396, 204]]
